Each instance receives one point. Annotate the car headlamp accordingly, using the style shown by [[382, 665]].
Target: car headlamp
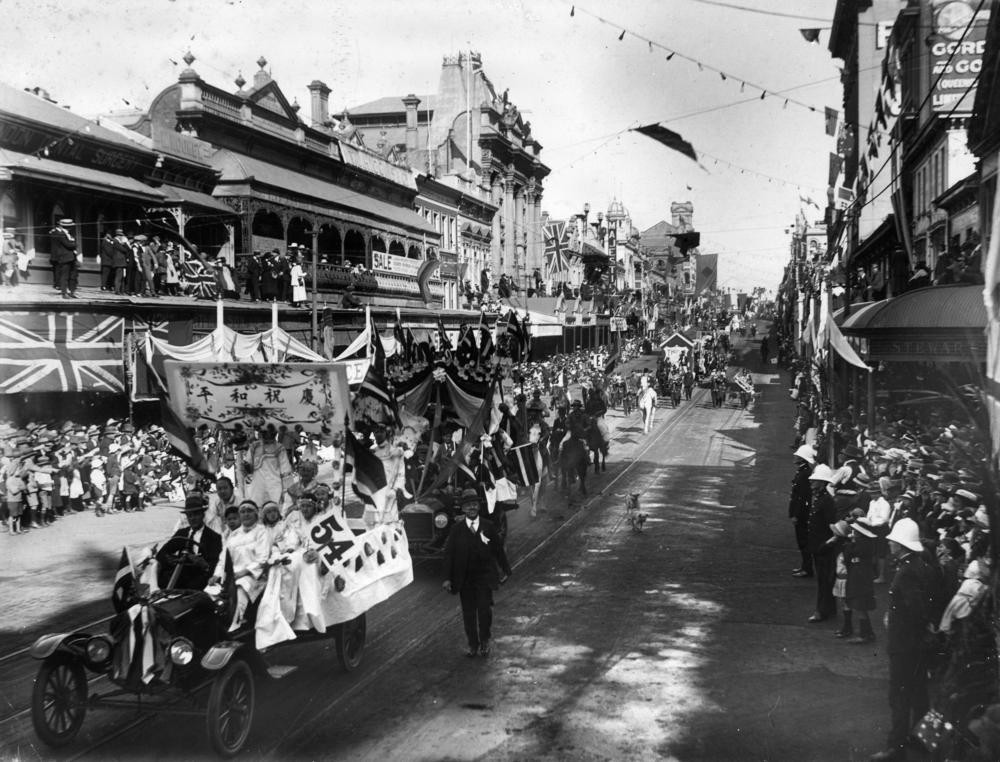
[[98, 650], [440, 520], [181, 651]]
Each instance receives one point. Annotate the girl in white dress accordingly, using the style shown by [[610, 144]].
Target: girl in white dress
[[248, 549]]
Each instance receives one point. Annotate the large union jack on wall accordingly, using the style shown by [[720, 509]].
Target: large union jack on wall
[[558, 242], [60, 352]]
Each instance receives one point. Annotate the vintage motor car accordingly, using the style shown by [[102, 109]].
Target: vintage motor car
[[171, 651], [429, 520]]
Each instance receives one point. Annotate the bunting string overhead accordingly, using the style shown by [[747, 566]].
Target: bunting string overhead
[[671, 52]]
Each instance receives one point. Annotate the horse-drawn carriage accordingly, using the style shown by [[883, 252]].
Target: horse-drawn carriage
[[172, 650]]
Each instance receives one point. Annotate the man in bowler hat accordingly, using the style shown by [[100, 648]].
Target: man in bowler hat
[[473, 560]]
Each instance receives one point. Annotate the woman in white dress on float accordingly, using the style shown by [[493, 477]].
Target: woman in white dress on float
[[248, 548]]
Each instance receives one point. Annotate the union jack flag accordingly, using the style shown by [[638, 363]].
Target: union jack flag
[[60, 352], [558, 238]]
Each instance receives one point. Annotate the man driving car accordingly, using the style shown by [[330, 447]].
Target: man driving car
[[196, 547]]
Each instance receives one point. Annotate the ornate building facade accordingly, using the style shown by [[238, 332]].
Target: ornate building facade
[[314, 184], [470, 132]]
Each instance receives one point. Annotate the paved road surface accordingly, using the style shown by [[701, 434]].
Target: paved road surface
[[686, 641]]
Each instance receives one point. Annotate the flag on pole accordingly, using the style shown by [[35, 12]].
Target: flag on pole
[[374, 385], [182, 440], [124, 584], [669, 138], [831, 120], [844, 349], [486, 346], [378, 350], [522, 463], [401, 347], [515, 337], [473, 433], [367, 471], [467, 352]]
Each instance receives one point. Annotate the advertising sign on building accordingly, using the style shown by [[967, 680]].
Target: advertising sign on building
[[390, 263], [957, 46]]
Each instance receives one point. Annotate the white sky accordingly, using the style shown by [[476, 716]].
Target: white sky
[[576, 82]]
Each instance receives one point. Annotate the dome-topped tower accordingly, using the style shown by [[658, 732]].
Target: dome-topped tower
[[617, 210]]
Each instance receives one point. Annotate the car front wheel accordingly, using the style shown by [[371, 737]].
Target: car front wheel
[[351, 642], [59, 700], [230, 708]]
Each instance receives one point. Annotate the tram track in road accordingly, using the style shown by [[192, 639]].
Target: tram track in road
[[300, 737], [401, 647]]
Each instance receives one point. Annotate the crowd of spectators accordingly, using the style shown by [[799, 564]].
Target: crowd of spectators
[[908, 503], [50, 470]]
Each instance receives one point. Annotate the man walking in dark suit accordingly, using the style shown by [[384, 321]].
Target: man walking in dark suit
[[199, 546], [473, 560], [64, 258]]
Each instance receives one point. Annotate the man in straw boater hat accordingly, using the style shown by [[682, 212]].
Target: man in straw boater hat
[[914, 603], [64, 258]]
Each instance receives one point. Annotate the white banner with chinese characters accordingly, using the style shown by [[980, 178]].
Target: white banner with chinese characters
[[311, 395]]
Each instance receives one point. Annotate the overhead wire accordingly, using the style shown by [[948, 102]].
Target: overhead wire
[[779, 14], [926, 99], [702, 66]]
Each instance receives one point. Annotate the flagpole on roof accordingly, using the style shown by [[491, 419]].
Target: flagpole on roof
[[219, 309], [274, 314]]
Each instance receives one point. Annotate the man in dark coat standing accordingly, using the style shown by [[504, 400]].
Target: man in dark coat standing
[[473, 560], [798, 506], [822, 513], [64, 258], [914, 603], [107, 260], [199, 546], [253, 276]]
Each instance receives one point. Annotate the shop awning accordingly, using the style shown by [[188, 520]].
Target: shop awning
[[839, 315], [61, 173], [239, 168], [591, 254], [934, 324], [190, 197]]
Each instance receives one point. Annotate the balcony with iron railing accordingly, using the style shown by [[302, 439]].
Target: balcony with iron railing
[[334, 279]]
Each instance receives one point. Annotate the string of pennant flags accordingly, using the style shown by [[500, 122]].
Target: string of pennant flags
[[764, 92]]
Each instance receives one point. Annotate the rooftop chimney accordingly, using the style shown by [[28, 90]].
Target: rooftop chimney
[[320, 103], [411, 102]]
